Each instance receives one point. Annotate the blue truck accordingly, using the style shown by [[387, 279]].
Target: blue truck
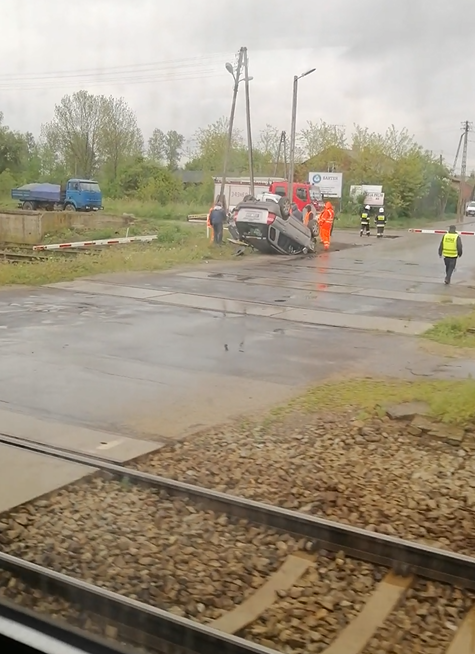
[[75, 195]]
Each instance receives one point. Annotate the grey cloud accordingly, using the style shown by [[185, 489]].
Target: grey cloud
[[403, 61]]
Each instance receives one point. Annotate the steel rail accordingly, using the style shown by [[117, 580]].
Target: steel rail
[[37, 633], [144, 625], [404, 557]]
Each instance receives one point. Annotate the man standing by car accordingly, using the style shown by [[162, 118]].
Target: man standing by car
[[325, 223], [451, 249], [217, 218]]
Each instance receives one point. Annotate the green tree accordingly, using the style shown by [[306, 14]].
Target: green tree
[[317, 137], [266, 149], [74, 133], [156, 146], [13, 149], [89, 132], [173, 149], [268, 141], [147, 180], [120, 138], [7, 182], [166, 149], [210, 147]]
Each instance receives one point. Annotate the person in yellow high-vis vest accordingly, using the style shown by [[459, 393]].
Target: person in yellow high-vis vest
[[451, 249]]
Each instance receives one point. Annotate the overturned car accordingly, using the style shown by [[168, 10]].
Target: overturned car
[[268, 226]]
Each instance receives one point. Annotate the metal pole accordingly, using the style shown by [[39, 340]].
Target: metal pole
[[463, 172], [284, 141], [277, 161], [248, 120], [293, 130], [231, 123]]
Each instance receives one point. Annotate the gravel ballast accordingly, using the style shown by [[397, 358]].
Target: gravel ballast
[[308, 617], [140, 543], [377, 476], [426, 621]]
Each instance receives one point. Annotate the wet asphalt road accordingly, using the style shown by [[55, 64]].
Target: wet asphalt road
[[160, 355]]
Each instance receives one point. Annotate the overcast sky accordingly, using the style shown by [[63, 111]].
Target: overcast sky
[[407, 62]]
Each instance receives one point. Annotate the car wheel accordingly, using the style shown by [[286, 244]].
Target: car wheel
[[284, 206], [294, 251], [248, 198]]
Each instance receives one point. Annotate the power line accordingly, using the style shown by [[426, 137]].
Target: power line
[[129, 68], [168, 77], [202, 67]]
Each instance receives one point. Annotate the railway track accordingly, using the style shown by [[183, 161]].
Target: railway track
[[14, 256], [386, 573]]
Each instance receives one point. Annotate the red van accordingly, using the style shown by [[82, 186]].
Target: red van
[[302, 195]]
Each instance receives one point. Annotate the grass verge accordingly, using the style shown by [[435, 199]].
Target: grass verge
[[141, 209], [152, 210], [451, 401], [457, 332], [177, 245]]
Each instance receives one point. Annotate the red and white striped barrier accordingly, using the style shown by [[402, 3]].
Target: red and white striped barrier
[[86, 244], [197, 218], [438, 231]]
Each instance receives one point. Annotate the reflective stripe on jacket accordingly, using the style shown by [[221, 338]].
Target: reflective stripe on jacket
[[449, 245]]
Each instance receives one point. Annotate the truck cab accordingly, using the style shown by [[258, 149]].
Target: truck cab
[[302, 194], [82, 195]]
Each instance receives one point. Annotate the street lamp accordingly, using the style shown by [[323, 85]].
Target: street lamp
[[293, 131], [237, 80], [230, 69]]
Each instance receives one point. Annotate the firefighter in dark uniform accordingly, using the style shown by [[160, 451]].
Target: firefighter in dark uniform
[[380, 222], [364, 225]]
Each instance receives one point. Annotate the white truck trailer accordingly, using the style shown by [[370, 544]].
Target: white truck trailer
[[236, 188]]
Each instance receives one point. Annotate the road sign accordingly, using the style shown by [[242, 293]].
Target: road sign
[[330, 184]]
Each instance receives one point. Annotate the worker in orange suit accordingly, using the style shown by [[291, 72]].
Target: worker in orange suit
[[325, 223], [208, 225], [208, 220]]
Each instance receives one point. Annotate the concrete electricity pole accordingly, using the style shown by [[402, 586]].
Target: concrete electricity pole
[[237, 79], [281, 149], [293, 131], [466, 127], [248, 121]]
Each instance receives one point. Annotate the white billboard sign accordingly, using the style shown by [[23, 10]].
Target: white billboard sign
[[330, 184], [356, 191], [374, 199]]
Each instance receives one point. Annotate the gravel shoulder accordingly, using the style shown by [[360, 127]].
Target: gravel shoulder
[[376, 475]]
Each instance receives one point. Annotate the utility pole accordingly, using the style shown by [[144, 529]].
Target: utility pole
[[279, 152], [284, 141], [248, 121], [237, 79], [466, 127], [445, 199], [293, 131]]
